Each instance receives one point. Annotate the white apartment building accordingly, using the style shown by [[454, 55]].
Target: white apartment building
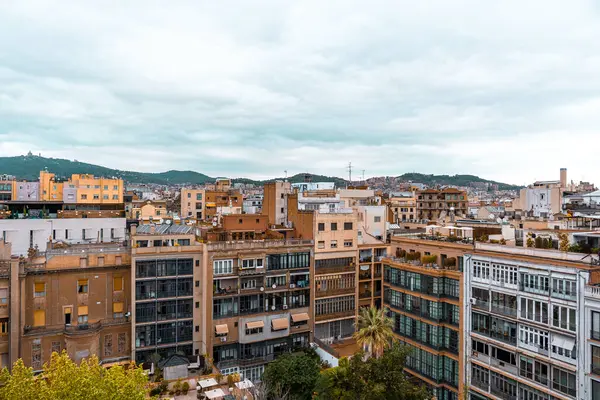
[[591, 344], [24, 234], [525, 323]]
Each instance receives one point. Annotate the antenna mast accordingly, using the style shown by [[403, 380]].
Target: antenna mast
[[350, 172]]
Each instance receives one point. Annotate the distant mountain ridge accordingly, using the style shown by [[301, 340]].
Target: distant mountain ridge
[[29, 166]]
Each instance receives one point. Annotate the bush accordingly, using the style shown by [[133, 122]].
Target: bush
[[450, 262], [177, 387], [185, 387], [230, 380], [155, 391], [429, 259], [219, 378], [164, 386]]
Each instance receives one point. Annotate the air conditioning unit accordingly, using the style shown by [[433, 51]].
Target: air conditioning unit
[[292, 286], [285, 307], [473, 301], [224, 339]]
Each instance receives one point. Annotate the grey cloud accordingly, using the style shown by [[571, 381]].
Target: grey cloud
[[238, 88]]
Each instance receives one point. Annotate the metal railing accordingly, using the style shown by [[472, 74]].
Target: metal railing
[[257, 244]]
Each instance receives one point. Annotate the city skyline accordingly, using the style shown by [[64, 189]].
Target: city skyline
[[442, 89]]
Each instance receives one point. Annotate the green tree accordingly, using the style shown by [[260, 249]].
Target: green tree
[[375, 331], [292, 376], [375, 379], [62, 379]]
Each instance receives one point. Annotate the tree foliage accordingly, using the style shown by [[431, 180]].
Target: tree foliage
[[374, 379], [292, 376], [62, 379], [374, 330]]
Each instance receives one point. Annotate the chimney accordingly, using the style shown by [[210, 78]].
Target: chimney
[[563, 178]]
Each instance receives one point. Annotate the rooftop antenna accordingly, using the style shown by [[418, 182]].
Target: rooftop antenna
[[285, 175], [363, 176], [350, 172]]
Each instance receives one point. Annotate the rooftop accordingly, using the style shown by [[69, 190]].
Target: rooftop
[[164, 229]]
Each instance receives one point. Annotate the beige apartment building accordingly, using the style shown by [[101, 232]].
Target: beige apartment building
[[73, 298], [433, 204], [193, 203]]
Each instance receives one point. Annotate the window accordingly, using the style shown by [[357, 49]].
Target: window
[[56, 347], [334, 244], [39, 318], [221, 267], [36, 354], [595, 359], [564, 288], [105, 197], [334, 226], [189, 195], [3, 326], [533, 338], [3, 297], [115, 197], [563, 381], [116, 187], [347, 226], [595, 325], [117, 283], [321, 226], [563, 348], [84, 197], [321, 244], [377, 219], [118, 309], [83, 233], [39, 289], [533, 370], [564, 318], [347, 243], [254, 331], [82, 286], [96, 197], [82, 315], [595, 390], [198, 196], [248, 263], [107, 345], [534, 310]]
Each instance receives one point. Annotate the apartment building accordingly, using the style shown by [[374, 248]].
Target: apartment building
[[423, 290], [402, 208], [148, 211], [526, 324], [433, 204], [370, 273], [591, 342], [335, 274], [193, 203], [261, 297], [35, 233], [6, 187], [275, 202], [168, 286], [74, 298]]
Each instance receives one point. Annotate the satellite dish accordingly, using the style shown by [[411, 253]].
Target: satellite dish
[[168, 222], [491, 217], [274, 286], [499, 220], [160, 221], [214, 223], [273, 308]]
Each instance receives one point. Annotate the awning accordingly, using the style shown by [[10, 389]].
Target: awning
[[255, 324], [222, 329], [213, 394], [206, 383], [563, 342], [280, 324], [118, 307], [300, 317], [245, 384]]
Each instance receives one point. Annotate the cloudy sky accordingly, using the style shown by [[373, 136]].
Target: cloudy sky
[[507, 90]]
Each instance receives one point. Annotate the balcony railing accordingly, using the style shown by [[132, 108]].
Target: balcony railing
[[339, 314], [221, 292], [257, 244], [480, 384], [508, 311], [334, 292], [365, 295], [76, 329], [364, 276], [334, 269]]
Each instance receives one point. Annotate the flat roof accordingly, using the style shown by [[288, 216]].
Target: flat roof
[[164, 229]]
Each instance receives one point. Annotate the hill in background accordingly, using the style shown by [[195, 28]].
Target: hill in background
[[29, 166]]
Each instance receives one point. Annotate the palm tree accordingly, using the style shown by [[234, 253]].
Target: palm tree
[[375, 331]]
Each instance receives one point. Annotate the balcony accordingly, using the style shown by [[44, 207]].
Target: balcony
[[595, 368], [595, 334], [508, 311], [223, 292], [335, 315], [78, 329], [367, 294], [364, 275], [501, 393], [332, 269], [334, 292], [504, 366], [480, 384]]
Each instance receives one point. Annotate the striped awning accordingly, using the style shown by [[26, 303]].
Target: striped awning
[[222, 329]]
